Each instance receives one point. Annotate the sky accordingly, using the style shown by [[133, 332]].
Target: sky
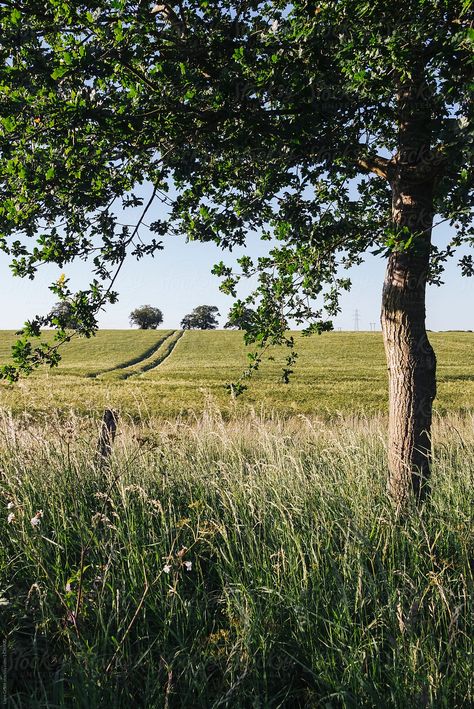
[[179, 278]]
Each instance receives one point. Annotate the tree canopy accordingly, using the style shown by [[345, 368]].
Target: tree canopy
[[146, 317], [62, 315], [202, 318], [260, 115], [240, 318]]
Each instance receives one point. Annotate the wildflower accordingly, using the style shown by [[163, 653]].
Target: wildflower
[[182, 523], [167, 568], [11, 517], [36, 520], [10, 505], [188, 565], [68, 587], [196, 505]]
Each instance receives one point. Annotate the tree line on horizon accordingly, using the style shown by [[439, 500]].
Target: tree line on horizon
[[147, 317]]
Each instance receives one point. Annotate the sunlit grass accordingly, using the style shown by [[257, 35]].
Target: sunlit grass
[[245, 563], [337, 372], [83, 357]]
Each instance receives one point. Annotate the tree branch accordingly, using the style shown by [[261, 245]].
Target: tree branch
[[375, 163]]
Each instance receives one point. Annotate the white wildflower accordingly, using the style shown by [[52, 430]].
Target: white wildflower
[[188, 565], [10, 505], [167, 568], [36, 520], [11, 517]]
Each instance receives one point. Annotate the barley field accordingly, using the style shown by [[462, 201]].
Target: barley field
[[169, 373]]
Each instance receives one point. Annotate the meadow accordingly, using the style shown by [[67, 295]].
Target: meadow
[[245, 563], [231, 553], [150, 374]]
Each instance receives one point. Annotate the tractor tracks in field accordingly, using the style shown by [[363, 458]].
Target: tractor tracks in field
[[152, 359], [149, 352]]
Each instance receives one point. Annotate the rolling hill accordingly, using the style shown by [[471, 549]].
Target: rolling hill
[[166, 373]]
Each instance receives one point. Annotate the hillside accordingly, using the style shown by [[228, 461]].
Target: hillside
[[166, 373]]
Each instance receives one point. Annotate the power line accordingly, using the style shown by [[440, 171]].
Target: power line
[[356, 320]]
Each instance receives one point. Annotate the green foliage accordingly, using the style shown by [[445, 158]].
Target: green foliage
[[248, 565], [146, 317], [240, 318], [262, 119], [202, 318], [62, 315]]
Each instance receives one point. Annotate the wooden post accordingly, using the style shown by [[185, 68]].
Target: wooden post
[[108, 430]]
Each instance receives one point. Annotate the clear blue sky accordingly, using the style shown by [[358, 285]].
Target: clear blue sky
[[179, 278]]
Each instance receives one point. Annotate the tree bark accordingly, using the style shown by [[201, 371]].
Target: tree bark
[[410, 358]]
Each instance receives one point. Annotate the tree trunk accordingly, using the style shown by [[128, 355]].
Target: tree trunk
[[410, 358]]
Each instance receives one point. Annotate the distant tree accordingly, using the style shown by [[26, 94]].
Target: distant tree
[[202, 318], [240, 319], [146, 317], [62, 314]]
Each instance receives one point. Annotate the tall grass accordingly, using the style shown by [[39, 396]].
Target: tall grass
[[245, 563]]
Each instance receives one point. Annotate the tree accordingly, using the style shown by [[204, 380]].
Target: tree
[[240, 319], [146, 317], [202, 318], [62, 314], [331, 130]]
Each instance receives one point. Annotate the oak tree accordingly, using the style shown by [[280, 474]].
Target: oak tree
[[240, 318], [146, 317], [202, 318], [62, 315]]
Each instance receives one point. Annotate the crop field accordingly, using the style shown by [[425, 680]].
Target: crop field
[[168, 373]]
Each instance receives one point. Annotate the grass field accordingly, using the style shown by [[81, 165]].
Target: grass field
[[168, 373], [246, 564], [239, 554]]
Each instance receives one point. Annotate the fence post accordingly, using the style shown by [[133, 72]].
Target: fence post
[[108, 430]]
